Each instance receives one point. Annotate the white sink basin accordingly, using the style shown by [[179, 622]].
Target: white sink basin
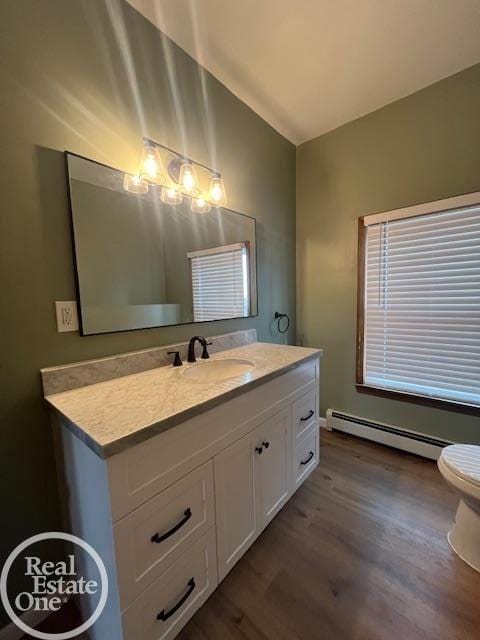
[[218, 370]]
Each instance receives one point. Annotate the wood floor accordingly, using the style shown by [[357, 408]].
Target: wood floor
[[359, 553]]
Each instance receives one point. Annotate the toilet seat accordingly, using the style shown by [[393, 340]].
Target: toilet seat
[[463, 461]]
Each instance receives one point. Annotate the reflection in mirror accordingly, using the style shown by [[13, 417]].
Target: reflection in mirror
[[144, 263]]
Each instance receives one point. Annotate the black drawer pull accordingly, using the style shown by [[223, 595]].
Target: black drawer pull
[[310, 456], [186, 517], [165, 615], [307, 417]]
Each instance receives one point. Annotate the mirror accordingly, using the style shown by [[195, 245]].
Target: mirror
[[143, 263]]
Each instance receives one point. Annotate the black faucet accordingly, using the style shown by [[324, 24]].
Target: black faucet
[[191, 348]]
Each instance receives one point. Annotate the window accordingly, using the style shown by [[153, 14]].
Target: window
[[419, 301], [220, 282]]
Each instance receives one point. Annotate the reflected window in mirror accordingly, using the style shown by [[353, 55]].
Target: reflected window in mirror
[[220, 282]]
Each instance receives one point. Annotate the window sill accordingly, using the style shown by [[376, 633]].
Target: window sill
[[447, 405]]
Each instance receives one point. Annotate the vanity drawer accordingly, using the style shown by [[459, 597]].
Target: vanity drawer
[[167, 605], [305, 413], [306, 457], [152, 537]]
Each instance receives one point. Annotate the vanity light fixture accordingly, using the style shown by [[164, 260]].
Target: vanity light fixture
[[151, 164], [135, 184], [200, 205], [217, 195], [171, 195], [188, 178], [178, 176]]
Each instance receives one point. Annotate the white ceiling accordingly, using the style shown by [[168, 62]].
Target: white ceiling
[[309, 66]]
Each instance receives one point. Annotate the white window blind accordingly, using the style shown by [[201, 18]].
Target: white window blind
[[422, 304], [220, 282]]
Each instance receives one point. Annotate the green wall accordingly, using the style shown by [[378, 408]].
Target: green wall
[[421, 148], [93, 77]]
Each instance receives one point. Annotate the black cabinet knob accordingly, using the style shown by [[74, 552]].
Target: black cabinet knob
[[259, 450], [266, 444]]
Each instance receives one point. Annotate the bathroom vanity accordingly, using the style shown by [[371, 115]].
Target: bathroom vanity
[[171, 473]]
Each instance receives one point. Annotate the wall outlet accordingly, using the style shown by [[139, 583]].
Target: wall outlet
[[67, 316]]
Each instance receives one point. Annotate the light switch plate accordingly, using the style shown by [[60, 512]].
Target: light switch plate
[[67, 316]]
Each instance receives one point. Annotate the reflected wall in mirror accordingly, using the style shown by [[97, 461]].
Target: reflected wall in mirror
[[143, 263]]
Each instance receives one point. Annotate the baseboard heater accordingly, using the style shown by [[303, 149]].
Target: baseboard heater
[[412, 441]]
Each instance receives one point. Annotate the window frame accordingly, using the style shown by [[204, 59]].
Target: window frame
[[465, 200]]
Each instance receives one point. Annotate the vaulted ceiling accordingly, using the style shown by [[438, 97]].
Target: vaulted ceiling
[[309, 66]]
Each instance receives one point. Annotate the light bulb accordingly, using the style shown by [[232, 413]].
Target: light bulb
[[170, 195], [187, 177], [217, 195], [200, 205], [134, 184], [151, 163]]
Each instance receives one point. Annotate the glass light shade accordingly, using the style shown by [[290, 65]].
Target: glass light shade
[[216, 194], [151, 164], [171, 195], [188, 178], [134, 184], [200, 205]]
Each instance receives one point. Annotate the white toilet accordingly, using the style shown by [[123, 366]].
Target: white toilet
[[460, 466]]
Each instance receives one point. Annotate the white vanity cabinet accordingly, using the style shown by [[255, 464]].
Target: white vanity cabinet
[[171, 515]]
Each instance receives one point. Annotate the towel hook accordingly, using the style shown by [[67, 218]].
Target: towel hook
[[279, 317]]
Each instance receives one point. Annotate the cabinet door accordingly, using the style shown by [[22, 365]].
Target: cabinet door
[[236, 501], [274, 437]]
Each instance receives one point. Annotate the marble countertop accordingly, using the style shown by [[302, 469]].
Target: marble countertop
[[114, 415]]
